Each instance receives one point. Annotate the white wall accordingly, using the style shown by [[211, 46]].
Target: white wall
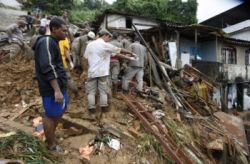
[[245, 35], [119, 21], [116, 21], [234, 70], [240, 51], [149, 24]]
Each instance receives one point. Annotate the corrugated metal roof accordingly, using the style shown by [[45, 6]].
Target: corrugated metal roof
[[237, 27]]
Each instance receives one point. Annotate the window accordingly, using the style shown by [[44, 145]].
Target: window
[[247, 57], [229, 55], [128, 22]]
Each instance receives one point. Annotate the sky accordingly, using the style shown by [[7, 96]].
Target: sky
[[209, 8]]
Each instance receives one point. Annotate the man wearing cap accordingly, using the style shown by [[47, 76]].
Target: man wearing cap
[[136, 68], [14, 31], [98, 53], [78, 47]]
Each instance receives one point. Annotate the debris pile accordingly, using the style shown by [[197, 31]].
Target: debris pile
[[169, 123], [196, 132]]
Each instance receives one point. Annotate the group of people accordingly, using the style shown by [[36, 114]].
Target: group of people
[[98, 56]]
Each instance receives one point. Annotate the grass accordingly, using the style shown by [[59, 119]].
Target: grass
[[22, 146], [148, 144]]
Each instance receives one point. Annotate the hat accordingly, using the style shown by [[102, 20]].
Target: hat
[[91, 35], [104, 32]]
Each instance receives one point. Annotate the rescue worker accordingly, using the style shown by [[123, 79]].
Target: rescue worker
[[78, 47], [126, 41], [98, 53], [68, 65], [135, 68], [115, 64]]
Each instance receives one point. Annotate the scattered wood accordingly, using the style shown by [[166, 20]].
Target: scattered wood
[[8, 125], [25, 108], [87, 126]]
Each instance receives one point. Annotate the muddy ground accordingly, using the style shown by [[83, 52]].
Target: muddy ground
[[18, 90]]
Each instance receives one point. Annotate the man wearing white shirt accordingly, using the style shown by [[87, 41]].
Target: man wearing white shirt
[[98, 54], [43, 21]]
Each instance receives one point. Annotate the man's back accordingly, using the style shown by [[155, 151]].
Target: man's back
[[125, 43], [43, 22], [83, 41], [29, 19], [139, 50], [98, 54], [116, 43]]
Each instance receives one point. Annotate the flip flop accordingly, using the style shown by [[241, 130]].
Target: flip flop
[[57, 149]]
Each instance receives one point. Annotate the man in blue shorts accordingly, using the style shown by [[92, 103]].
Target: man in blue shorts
[[52, 79]]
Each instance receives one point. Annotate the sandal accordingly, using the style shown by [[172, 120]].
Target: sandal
[[57, 149]]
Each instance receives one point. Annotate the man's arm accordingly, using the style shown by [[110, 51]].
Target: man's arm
[[67, 54], [57, 91], [127, 55], [85, 64], [120, 52]]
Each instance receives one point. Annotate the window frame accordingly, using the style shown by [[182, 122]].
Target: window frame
[[229, 55]]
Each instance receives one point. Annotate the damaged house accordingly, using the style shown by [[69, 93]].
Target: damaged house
[[223, 57], [233, 53], [207, 49]]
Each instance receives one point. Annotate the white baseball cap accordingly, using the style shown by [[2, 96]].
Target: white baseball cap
[[91, 35]]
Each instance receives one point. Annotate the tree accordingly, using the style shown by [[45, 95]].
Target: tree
[[175, 10], [55, 7]]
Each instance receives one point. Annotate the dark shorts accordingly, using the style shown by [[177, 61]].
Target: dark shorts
[[52, 108]]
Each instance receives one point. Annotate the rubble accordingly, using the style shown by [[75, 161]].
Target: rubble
[[175, 124]]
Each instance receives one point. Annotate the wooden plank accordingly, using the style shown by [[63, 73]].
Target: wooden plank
[[87, 126], [19, 113], [29, 106], [8, 125]]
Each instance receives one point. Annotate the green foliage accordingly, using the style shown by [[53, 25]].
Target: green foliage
[[148, 144], [175, 10], [55, 7], [81, 15], [24, 147], [86, 10]]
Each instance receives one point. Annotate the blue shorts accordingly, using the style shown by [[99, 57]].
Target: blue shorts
[[55, 109]]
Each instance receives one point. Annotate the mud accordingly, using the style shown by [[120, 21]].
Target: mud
[[18, 90]]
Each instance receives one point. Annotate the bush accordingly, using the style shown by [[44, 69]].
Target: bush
[[82, 15]]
